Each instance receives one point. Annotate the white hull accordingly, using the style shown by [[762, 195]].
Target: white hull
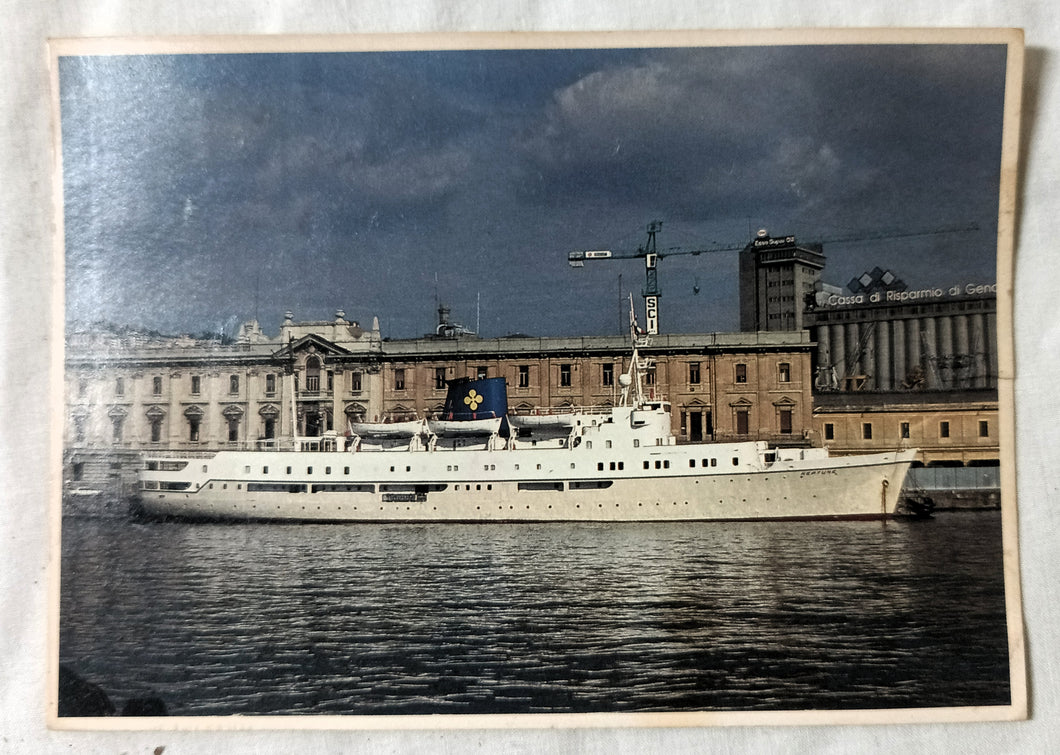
[[642, 482]]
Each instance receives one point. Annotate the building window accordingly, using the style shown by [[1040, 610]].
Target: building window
[[785, 421], [741, 373], [399, 379], [785, 372], [481, 373], [564, 375], [79, 429], [984, 429], [331, 381], [270, 428], [156, 430], [355, 382], [270, 383], [117, 423], [196, 385], [903, 429], [439, 378], [233, 383], [524, 376], [649, 377], [119, 387], [233, 429], [78, 470], [156, 386], [193, 429], [608, 374], [742, 422], [693, 373], [866, 430], [944, 429], [829, 431]]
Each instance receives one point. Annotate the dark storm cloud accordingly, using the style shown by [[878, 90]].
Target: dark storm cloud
[[201, 188]]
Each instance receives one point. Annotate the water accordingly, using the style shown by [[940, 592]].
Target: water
[[219, 619]]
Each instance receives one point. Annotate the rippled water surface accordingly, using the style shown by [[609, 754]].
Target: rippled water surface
[[519, 618]]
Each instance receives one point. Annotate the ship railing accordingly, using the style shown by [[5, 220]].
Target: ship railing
[[550, 411]]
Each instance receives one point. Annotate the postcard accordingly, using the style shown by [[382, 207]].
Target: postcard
[[536, 380]]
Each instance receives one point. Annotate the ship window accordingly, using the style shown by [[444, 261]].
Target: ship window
[[713, 462], [572, 465], [666, 464], [204, 468], [408, 469], [391, 469], [658, 464], [539, 466], [736, 461], [288, 470], [588, 444], [691, 462], [309, 470], [327, 470], [246, 469], [264, 470], [607, 444], [345, 470], [516, 467], [636, 442], [612, 466], [621, 465]]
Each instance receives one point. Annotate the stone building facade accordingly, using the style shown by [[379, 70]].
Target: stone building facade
[[129, 393]]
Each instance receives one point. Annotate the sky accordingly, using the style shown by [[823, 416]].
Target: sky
[[201, 191]]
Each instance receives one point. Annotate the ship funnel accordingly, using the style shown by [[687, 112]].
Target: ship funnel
[[468, 399]]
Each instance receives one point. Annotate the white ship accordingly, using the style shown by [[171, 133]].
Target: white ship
[[475, 464]]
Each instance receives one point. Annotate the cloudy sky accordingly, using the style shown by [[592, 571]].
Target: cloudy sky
[[203, 190]]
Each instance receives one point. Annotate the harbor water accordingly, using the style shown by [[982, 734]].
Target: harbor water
[[363, 619]]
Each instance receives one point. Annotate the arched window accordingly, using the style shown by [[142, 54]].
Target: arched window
[[312, 374]]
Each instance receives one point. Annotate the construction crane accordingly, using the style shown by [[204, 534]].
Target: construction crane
[[651, 256]]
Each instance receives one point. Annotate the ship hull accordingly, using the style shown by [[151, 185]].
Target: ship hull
[[830, 488]]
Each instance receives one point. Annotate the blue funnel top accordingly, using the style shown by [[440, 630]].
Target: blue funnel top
[[476, 399]]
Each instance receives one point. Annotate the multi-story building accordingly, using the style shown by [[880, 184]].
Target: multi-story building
[[776, 277], [128, 393]]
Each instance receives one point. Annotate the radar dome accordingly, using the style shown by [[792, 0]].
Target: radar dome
[[625, 380]]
